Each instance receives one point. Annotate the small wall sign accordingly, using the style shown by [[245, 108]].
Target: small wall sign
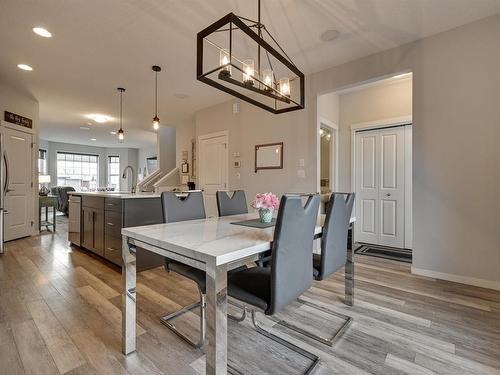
[[18, 119]]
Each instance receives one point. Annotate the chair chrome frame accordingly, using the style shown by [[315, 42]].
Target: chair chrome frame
[[253, 311], [324, 340], [165, 320]]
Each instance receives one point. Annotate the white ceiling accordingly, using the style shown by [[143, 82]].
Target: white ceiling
[[99, 45]]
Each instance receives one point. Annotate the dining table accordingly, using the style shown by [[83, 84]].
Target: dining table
[[215, 245]]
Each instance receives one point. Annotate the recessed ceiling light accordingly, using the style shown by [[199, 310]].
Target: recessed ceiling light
[[98, 117], [112, 132], [25, 67], [84, 128], [93, 139], [329, 35], [42, 32], [180, 95]]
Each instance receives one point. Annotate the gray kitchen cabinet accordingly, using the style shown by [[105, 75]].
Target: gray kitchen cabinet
[[93, 224], [102, 219]]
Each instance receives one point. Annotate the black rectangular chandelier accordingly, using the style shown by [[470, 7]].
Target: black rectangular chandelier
[[224, 60]]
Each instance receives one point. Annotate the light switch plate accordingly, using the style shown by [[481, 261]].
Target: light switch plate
[[184, 180], [301, 173], [302, 162]]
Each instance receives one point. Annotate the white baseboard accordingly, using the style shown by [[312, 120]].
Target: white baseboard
[[457, 278]]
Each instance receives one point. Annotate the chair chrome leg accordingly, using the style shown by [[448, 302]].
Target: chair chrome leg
[[167, 318], [238, 318], [288, 344], [324, 340]]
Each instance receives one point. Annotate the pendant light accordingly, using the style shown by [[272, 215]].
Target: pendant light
[[264, 76], [121, 134], [156, 119]]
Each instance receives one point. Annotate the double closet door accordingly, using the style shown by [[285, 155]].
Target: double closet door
[[381, 167]]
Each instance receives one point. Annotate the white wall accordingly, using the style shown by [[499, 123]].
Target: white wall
[[167, 148], [144, 153], [329, 107], [455, 144], [25, 105]]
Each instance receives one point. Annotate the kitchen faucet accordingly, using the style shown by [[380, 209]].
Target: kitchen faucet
[[124, 176]]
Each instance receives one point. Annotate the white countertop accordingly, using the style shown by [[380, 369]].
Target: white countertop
[[110, 194]]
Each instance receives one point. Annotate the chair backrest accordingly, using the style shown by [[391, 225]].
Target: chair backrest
[[335, 231], [291, 260], [182, 206], [235, 205]]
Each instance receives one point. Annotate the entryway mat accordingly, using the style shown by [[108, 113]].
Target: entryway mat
[[393, 253]]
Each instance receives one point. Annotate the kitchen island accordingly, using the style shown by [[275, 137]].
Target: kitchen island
[[97, 218]]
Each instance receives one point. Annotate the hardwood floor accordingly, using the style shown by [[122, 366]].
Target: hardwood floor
[[60, 314]]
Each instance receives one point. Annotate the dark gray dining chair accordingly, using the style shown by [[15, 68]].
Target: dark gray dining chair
[[234, 205], [270, 289], [182, 207], [333, 256]]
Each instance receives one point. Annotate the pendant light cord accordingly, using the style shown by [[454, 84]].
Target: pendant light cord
[[156, 94], [121, 106]]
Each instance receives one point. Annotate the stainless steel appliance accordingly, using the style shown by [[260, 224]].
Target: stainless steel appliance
[[74, 219], [4, 183]]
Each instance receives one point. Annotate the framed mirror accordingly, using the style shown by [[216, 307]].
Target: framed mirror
[[269, 156]]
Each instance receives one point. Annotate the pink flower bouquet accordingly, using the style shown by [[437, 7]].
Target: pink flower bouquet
[[266, 203]]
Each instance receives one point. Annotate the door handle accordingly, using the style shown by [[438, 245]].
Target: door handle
[[388, 195], [7, 177]]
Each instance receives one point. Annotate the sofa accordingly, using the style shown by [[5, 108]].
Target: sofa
[[61, 192]]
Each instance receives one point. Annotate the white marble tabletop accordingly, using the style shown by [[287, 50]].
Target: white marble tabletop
[[212, 239]]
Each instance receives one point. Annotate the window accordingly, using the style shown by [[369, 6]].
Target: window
[[114, 172], [42, 161], [80, 171]]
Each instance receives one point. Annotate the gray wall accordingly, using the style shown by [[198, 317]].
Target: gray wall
[[456, 129], [373, 103], [127, 157], [167, 148]]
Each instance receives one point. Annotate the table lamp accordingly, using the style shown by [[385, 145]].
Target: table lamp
[[42, 180]]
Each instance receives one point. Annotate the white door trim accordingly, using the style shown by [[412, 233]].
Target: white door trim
[[380, 124], [335, 166], [17, 127]]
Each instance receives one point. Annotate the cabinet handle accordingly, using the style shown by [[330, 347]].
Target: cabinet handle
[[112, 249], [111, 224]]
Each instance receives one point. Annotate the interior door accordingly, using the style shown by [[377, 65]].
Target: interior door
[[19, 187], [380, 186], [213, 169]]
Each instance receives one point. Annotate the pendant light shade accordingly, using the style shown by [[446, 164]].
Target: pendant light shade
[[120, 132], [156, 119]]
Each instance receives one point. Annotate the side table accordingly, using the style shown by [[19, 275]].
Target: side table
[[46, 201]]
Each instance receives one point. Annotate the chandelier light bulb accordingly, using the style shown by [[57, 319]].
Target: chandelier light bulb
[[267, 78], [248, 69], [224, 60], [285, 86]]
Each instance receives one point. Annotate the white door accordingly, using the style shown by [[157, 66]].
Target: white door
[[212, 169], [19, 188], [380, 186]]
